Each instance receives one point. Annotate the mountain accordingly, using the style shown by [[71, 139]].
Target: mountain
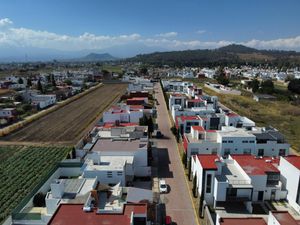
[[97, 57], [231, 55], [234, 48]]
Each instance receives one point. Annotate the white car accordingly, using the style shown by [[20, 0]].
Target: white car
[[163, 188]]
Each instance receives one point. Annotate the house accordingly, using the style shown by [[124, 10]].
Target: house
[[184, 123], [137, 101], [138, 149], [235, 120], [289, 167], [232, 140], [177, 99], [123, 113], [9, 114], [39, 100], [239, 178]]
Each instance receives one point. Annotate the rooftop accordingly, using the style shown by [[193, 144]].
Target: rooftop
[[118, 145], [208, 161], [294, 160], [244, 221], [70, 214], [284, 218], [255, 166]]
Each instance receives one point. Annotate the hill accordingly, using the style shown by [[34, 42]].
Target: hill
[[97, 57], [231, 55]]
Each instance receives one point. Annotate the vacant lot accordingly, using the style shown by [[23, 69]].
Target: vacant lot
[[21, 169], [68, 123]]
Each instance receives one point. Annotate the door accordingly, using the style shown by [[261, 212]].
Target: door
[[260, 196], [260, 152]]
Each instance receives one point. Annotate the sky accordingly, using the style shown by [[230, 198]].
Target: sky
[[153, 25]]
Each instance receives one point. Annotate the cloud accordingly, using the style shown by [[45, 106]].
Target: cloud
[[201, 31], [24, 37], [5, 22], [167, 35]]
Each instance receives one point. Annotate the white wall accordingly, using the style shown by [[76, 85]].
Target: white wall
[[290, 179]]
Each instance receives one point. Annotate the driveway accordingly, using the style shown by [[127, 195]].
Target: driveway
[[178, 201]]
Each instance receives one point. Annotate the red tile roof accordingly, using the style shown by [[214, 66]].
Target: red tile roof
[[294, 160], [255, 166], [242, 221], [72, 214], [198, 128], [232, 114], [211, 131], [284, 218], [195, 100], [208, 161]]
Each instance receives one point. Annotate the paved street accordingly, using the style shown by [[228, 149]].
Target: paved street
[[178, 201]]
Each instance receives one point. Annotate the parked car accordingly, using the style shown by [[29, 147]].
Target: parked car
[[163, 188]]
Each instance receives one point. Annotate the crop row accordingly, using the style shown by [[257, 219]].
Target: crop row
[[21, 169]]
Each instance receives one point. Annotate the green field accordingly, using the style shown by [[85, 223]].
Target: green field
[[21, 169], [112, 69]]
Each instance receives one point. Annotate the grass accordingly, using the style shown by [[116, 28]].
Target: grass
[[112, 69], [21, 169]]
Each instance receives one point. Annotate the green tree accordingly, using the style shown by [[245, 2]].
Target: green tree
[[20, 81], [221, 76], [39, 200], [294, 86], [68, 82], [53, 81], [254, 85], [267, 87], [40, 86], [29, 83]]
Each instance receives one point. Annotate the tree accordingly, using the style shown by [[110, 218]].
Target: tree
[[20, 81], [68, 82], [294, 86], [254, 85], [18, 98], [267, 87], [39, 200], [221, 76], [29, 83], [53, 80], [40, 86], [144, 70], [150, 125]]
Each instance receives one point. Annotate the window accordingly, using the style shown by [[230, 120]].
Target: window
[[109, 174], [281, 152], [120, 173], [224, 141], [208, 183], [244, 141], [251, 141], [230, 141]]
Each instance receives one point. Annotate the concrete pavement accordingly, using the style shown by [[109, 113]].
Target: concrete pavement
[[178, 201]]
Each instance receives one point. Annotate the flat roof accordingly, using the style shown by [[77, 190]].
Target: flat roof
[[71, 214], [242, 221], [294, 160], [255, 165], [208, 161], [103, 145], [284, 218]]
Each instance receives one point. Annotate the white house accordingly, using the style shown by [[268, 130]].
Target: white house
[[240, 178], [289, 167], [124, 147], [123, 113]]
